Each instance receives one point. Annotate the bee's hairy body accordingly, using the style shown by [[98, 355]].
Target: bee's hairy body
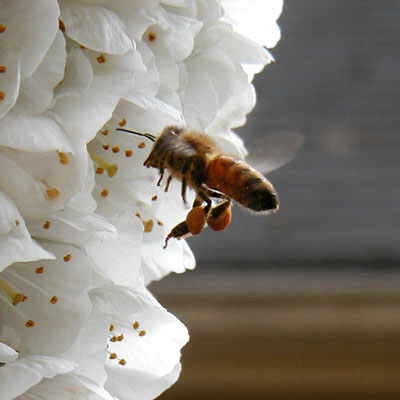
[[195, 160]]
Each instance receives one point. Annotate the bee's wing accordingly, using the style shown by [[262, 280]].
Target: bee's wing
[[274, 150]]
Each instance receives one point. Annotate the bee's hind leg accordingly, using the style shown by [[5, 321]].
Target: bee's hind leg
[[179, 231]]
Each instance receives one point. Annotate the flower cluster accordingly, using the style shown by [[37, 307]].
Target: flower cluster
[[82, 223]]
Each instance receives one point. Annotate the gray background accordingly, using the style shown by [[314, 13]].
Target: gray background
[[335, 80]]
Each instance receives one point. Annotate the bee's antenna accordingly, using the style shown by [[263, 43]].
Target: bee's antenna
[[146, 135]]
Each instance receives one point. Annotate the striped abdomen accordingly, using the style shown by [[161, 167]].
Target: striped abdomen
[[242, 183]]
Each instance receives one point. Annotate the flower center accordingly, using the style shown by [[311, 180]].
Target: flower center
[[12, 294], [110, 168]]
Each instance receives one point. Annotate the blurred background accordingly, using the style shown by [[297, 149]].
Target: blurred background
[[305, 303]]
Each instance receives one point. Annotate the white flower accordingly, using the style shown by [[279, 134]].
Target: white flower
[[83, 224]]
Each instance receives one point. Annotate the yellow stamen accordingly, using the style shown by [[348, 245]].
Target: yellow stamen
[[122, 122], [61, 26], [106, 146], [120, 338], [12, 294], [52, 193], [152, 36], [54, 300], [2, 28], [135, 325], [142, 333], [104, 193], [113, 356], [101, 59], [141, 145], [3, 69], [46, 225], [2, 95], [63, 158], [115, 149], [110, 168], [111, 327], [122, 361], [154, 198], [67, 257], [159, 223], [148, 225], [39, 270], [105, 132], [16, 222], [128, 153], [29, 323]]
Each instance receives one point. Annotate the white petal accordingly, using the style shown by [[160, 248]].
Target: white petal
[[83, 118], [95, 27], [89, 350], [31, 26], [35, 133], [149, 357], [36, 93], [16, 244], [255, 19], [69, 226], [118, 259], [113, 299], [57, 323], [199, 99], [42, 172], [9, 82], [78, 75], [7, 354], [17, 377]]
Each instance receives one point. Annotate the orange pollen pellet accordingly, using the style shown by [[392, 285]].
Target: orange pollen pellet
[[29, 323], [113, 356], [3, 69], [63, 158], [2, 28], [135, 325], [19, 298], [152, 36], [142, 333], [141, 145], [104, 193], [128, 153], [2, 95], [61, 26], [46, 225], [101, 59], [111, 327], [105, 132], [122, 122], [52, 193], [67, 257], [99, 170], [106, 146], [39, 270], [122, 361], [115, 149], [54, 300], [154, 198]]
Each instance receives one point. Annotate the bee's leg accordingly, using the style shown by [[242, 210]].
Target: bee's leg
[[220, 216], [161, 175], [198, 201], [183, 191], [214, 193], [185, 169], [180, 230], [168, 182]]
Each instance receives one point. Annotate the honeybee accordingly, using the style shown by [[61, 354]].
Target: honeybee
[[195, 160]]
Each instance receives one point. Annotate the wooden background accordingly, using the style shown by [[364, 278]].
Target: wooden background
[[305, 304]]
